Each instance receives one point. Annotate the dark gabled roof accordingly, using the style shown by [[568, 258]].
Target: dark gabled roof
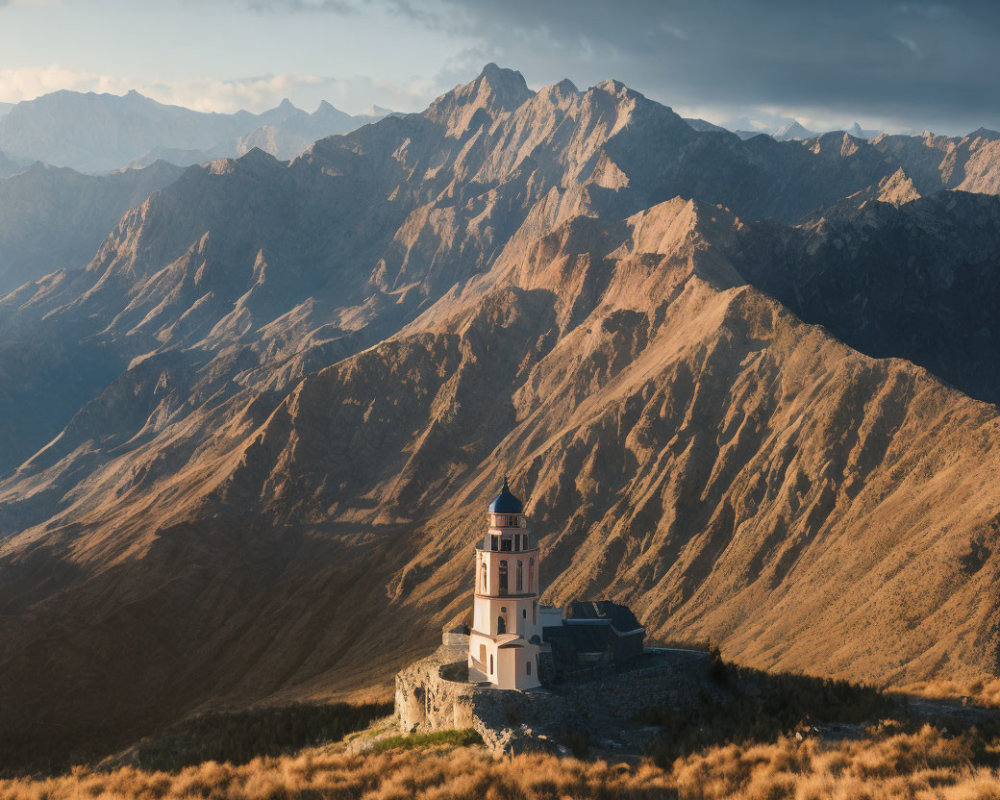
[[620, 617], [506, 503]]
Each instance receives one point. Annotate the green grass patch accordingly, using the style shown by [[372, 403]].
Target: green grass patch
[[453, 738]]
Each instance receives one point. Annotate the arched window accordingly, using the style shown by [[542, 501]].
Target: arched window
[[503, 577], [534, 613], [519, 581], [531, 574], [501, 624], [524, 613], [528, 665], [491, 663], [482, 580]]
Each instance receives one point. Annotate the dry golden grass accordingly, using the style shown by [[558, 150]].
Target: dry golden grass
[[921, 765], [980, 692]]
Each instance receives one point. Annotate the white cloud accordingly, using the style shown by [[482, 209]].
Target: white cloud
[[211, 94], [30, 82]]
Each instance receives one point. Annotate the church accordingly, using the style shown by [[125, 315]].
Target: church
[[511, 633], [522, 655]]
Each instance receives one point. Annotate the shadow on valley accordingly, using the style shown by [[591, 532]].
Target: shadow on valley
[[239, 737], [756, 707], [235, 737]]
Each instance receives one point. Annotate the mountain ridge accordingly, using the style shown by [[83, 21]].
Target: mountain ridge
[[311, 375]]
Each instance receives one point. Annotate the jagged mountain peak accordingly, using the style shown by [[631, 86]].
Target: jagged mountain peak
[[614, 87], [897, 189], [494, 92], [254, 159], [504, 81], [564, 89], [793, 130]]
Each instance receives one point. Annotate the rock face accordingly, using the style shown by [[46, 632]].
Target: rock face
[[253, 438]]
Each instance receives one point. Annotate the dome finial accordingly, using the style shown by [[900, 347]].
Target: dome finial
[[506, 502]]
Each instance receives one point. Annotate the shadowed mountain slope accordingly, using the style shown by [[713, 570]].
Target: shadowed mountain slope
[[305, 380], [53, 219], [920, 281]]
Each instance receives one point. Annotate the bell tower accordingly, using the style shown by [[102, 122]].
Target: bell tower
[[505, 637]]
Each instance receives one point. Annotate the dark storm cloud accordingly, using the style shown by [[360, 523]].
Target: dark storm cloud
[[923, 62], [914, 62]]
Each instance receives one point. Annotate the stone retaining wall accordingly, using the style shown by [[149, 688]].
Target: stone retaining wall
[[434, 694]]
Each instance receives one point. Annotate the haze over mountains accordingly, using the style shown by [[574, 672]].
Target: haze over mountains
[[745, 385], [55, 218], [104, 132]]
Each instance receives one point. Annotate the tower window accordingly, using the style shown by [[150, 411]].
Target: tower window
[[494, 543], [528, 665], [502, 575], [491, 663], [519, 580], [482, 579], [531, 574], [501, 625], [524, 613]]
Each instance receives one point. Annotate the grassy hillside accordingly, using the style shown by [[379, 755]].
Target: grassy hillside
[[925, 763]]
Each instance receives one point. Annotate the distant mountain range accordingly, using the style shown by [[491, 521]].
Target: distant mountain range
[[104, 132], [746, 386]]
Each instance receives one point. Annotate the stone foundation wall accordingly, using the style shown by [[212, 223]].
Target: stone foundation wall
[[434, 694]]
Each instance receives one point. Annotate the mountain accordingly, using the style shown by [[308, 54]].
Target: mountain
[[916, 280], [862, 133], [53, 219], [970, 163], [284, 138], [245, 451], [702, 124], [9, 166], [792, 130], [104, 132]]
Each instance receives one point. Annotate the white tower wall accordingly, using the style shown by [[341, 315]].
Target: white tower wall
[[502, 644]]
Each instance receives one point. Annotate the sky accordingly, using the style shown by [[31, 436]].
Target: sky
[[888, 64]]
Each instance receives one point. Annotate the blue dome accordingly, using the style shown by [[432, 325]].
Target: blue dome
[[506, 503]]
